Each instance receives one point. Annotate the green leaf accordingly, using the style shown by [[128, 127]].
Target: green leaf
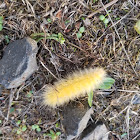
[[58, 133], [18, 122], [44, 135], [57, 125], [0, 121], [60, 35], [123, 135], [90, 97], [62, 41], [107, 83], [106, 21], [61, 38], [117, 18], [18, 131], [102, 17], [54, 35], [38, 129], [7, 39], [49, 20], [82, 29], [35, 126], [48, 134], [1, 27], [83, 18], [29, 94], [37, 34], [137, 27], [67, 21], [39, 122], [79, 35], [24, 128], [52, 132], [12, 109], [1, 19], [95, 1], [53, 137]]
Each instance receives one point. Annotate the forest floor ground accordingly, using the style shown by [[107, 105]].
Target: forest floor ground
[[85, 41]]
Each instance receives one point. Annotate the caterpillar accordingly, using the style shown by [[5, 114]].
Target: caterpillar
[[73, 86]]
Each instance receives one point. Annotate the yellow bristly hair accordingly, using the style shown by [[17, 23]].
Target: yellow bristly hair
[[74, 86]]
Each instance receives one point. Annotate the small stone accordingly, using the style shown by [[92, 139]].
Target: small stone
[[75, 117], [18, 62]]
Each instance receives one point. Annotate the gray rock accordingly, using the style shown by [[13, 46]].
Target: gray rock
[[18, 62], [99, 132], [75, 118]]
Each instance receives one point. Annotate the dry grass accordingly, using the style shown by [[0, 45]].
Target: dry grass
[[116, 48]]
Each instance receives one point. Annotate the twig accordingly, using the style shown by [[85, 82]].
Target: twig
[[82, 3], [29, 6], [121, 90], [101, 9], [75, 46], [127, 120], [10, 102], [48, 69], [17, 93], [51, 57], [136, 137], [118, 114], [133, 91]]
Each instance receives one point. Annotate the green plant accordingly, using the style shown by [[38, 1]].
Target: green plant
[[12, 109], [137, 27], [36, 127], [57, 125], [107, 83], [95, 1], [67, 21], [18, 122], [29, 94], [104, 19], [39, 36], [53, 135], [7, 39], [123, 135], [90, 97], [49, 20], [1, 22], [21, 129], [83, 18], [80, 32]]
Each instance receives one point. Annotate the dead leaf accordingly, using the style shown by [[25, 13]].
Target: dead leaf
[[59, 14]]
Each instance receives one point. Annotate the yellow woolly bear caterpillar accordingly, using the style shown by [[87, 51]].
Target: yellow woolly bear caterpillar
[[75, 85]]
